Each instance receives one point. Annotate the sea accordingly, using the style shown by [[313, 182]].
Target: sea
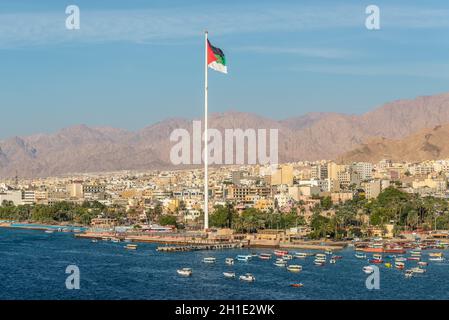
[[33, 266]]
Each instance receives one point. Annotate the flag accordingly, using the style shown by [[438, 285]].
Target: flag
[[216, 59]]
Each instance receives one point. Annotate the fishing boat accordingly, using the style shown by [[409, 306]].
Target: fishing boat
[[397, 249], [253, 254], [287, 257], [294, 268], [115, 240], [423, 263], [244, 258], [413, 258], [296, 285], [265, 256], [436, 259], [247, 277], [329, 252], [229, 274], [131, 247], [209, 260], [399, 265], [229, 261], [376, 261], [374, 248], [320, 256], [418, 270], [400, 259], [377, 256], [368, 269], [332, 260], [280, 253], [360, 256], [300, 255], [408, 273], [280, 263], [319, 262], [186, 272]]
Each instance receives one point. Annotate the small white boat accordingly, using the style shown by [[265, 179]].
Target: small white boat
[[186, 272], [248, 277], [320, 256], [332, 261], [422, 263], [265, 256], [209, 260], [49, 231], [280, 253], [360, 256], [436, 259], [400, 259], [229, 274], [300, 255], [399, 265], [368, 269], [287, 257], [115, 240], [418, 270], [294, 268], [319, 262], [131, 246], [280, 263], [229, 261], [94, 240], [244, 258], [329, 252]]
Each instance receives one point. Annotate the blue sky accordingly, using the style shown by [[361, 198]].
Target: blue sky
[[133, 63]]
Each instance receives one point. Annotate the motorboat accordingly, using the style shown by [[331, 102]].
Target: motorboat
[[265, 256], [436, 259], [418, 270], [49, 231], [399, 265], [115, 240], [332, 260], [229, 274], [131, 246], [229, 261], [247, 277], [186, 272], [94, 240], [360, 256], [377, 256], [296, 285], [320, 256], [294, 268], [287, 257], [244, 258], [388, 265], [376, 261], [435, 254], [414, 258], [319, 262], [280, 263], [337, 257], [408, 273], [328, 252], [368, 269], [209, 260], [280, 253], [422, 263], [300, 255]]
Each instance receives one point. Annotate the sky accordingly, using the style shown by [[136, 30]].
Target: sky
[[133, 63]]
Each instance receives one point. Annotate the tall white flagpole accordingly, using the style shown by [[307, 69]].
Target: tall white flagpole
[[206, 180]]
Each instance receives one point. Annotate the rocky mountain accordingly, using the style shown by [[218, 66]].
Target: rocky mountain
[[427, 144], [308, 137]]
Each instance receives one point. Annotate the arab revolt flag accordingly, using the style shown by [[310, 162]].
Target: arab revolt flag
[[216, 59]]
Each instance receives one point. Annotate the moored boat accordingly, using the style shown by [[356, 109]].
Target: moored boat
[[229, 274], [294, 268], [186, 272], [287, 257], [388, 265], [244, 258], [300, 255], [418, 270], [376, 261], [368, 269], [265, 256], [399, 265], [408, 273], [209, 260], [423, 263], [332, 260], [247, 277], [360, 256], [229, 261], [280, 253], [131, 246], [319, 262], [280, 263], [436, 259], [296, 285]]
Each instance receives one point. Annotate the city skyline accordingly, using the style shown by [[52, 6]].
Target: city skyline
[[128, 59]]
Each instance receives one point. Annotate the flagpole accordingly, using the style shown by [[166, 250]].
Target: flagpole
[[206, 179]]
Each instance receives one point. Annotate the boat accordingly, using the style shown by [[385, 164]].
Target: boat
[[320, 256], [360, 256], [209, 260], [49, 231], [337, 257], [435, 254], [414, 258], [105, 238], [368, 269], [229, 274], [253, 254], [418, 270], [300, 255], [423, 263], [391, 256], [296, 285], [373, 249], [229, 261], [287, 257], [436, 259], [131, 246], [399, 265], [388, 265], [398, 250], [280, 253], [294, 268], [186, 272], [247, 277], [280, 263], [332, 260], [94, 240], [329, 252], [115, 240], [376, 261], [408, 273], [377, 256], [400, 259], [244, 258], [265, 256], [415, 253], [319, 262]]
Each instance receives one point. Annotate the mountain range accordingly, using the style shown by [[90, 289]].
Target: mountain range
[[413, 129]]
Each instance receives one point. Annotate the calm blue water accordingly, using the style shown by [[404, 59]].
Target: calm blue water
[[33, 263]]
